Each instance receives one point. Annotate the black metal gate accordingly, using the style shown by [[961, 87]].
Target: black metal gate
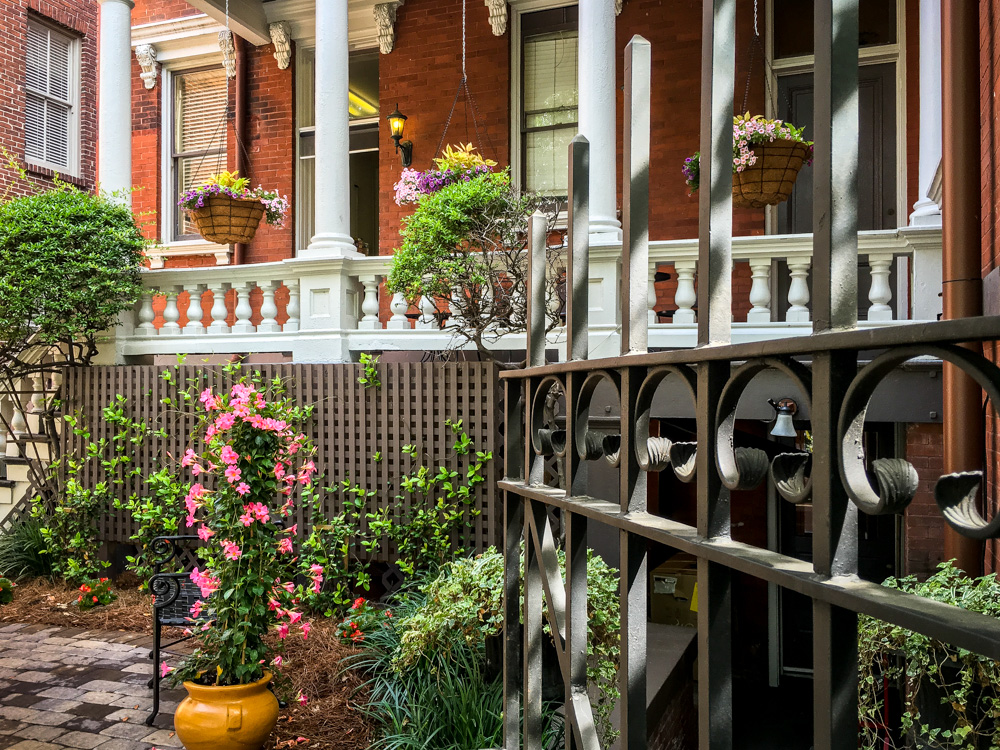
[[834, 475]]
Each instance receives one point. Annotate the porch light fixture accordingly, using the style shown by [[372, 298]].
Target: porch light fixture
[[784, 410], [397, 121]]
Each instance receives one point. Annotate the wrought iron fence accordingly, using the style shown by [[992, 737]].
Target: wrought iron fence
[[825, 366]]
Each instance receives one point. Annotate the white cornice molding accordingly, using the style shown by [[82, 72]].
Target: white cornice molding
[[498, 16], [180, 38], [385, 24], [618, 6], [281, 37], [301, 16], [145, 55]]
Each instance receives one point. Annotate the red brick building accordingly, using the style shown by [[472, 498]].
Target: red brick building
[[48, 91]]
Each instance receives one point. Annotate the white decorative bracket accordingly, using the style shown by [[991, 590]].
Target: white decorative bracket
[[618, 6], [281, 37], [385, 23], [145, 54], [498, 16], [228, 47]]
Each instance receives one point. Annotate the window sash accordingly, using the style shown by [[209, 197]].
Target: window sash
[[51, 131]]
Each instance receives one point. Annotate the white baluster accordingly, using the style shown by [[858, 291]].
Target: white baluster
[[146, 315], [37, 392], [880, 293], [427, 310], [195, 314], [243, 309], [651, 296], [219, 312], [369, 305], [268, 310], [798, 290], [3, 446], [455, 319], [685, 296], [292, 308], [171, 314], [760, 291], [18, 425], [398, 306]]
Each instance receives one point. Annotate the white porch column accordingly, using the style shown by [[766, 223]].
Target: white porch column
[[333, 184], [925, 210], [596, 84], [114, 117]]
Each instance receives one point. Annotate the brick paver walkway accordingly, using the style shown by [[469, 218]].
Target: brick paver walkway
[[71, 688]]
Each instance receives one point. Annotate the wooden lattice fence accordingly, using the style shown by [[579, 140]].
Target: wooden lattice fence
[[350, 424]]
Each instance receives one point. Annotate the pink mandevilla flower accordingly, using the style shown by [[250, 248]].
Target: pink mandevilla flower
[[205, 533]]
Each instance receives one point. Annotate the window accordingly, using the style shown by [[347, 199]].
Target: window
[[199, 138], [51, 118], [549, 98], [363, 111]]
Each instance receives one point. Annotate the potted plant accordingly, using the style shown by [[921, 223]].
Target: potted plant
[[949, 696], [252, 457], [767, 157], [226, 210]]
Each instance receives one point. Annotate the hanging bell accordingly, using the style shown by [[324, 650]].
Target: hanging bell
[[784, 410]]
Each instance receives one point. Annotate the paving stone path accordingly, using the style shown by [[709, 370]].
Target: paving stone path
[[72, 688]]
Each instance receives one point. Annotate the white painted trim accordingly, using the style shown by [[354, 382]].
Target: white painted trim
[[887, 53], [181, 41], [301, 16], [517, 9], [189, 248]]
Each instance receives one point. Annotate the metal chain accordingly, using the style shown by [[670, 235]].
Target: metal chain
[[463, 40]]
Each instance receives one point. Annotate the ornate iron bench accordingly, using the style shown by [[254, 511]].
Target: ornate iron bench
[[174, 593]]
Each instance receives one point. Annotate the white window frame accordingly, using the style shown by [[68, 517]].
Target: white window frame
[[883, 53], [517, 9], [72, 169]]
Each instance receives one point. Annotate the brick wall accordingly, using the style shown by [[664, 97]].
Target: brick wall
[[78, 17], [923, 524], [151, 11]]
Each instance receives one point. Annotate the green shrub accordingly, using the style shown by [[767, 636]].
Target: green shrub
[[6, 591], [967, 684], [22, 552], [95, 594]]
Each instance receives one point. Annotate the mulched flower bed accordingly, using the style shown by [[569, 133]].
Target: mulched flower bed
[[331, 720]]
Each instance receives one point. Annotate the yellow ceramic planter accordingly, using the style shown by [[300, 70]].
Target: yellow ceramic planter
[[240, 717]]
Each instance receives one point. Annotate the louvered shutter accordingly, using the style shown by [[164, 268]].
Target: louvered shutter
[[48, 126], [200, 130]]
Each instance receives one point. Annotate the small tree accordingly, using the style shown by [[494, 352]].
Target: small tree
[[69, 265], [464, 247]]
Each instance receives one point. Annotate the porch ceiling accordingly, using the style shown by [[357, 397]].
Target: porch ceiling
[[246, 17]]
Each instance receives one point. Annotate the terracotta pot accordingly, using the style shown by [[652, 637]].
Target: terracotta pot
[[240, 717], [769, 181], [228, 220]]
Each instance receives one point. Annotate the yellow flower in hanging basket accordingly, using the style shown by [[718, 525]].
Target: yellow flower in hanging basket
[[462, 158]]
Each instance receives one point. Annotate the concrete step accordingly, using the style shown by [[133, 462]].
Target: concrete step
[[34, 448], [17, 469]]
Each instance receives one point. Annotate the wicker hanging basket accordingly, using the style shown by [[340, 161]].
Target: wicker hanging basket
[[228, 220], [769, 181]]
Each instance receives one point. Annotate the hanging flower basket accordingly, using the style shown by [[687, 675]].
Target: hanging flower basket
[[770, 179], [226, 211], [228, 220], [767, 157]]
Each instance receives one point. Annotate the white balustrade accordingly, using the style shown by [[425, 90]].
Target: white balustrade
[[195, 314], [760, 291], [171, 314], [651, 296], [398, 307], [369, 305], [37, 398], [798, 290], [243, 310], [685, 296], [880, 293], [146, 315], [268, 309], [292, 308], [219, 312], [427, 321], [18, 424]]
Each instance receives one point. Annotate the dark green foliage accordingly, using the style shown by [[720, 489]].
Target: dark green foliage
[[6, 591], [22, 552]]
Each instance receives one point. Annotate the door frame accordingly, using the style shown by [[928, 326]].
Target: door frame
[[885, 53]]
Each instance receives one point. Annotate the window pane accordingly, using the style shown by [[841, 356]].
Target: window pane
[[547, 169], [363, 83], [57, 133], [305, 89], [305, 202], [550, 72], [34, 127], [59, 66], [199, 111], [37, 58], [793, 25]]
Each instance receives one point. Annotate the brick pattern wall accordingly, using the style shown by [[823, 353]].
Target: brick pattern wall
[[152, 11], [78, 17], [923, 524], [989, 21]]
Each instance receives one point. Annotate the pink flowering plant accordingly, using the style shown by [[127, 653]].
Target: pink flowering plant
[[253, 461], [748, 131], [460, 163]]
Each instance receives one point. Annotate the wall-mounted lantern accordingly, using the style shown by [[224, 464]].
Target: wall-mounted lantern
[[397, 121]]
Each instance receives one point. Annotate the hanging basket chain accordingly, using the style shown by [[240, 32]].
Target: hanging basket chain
[[469, 100], [755, 46]]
